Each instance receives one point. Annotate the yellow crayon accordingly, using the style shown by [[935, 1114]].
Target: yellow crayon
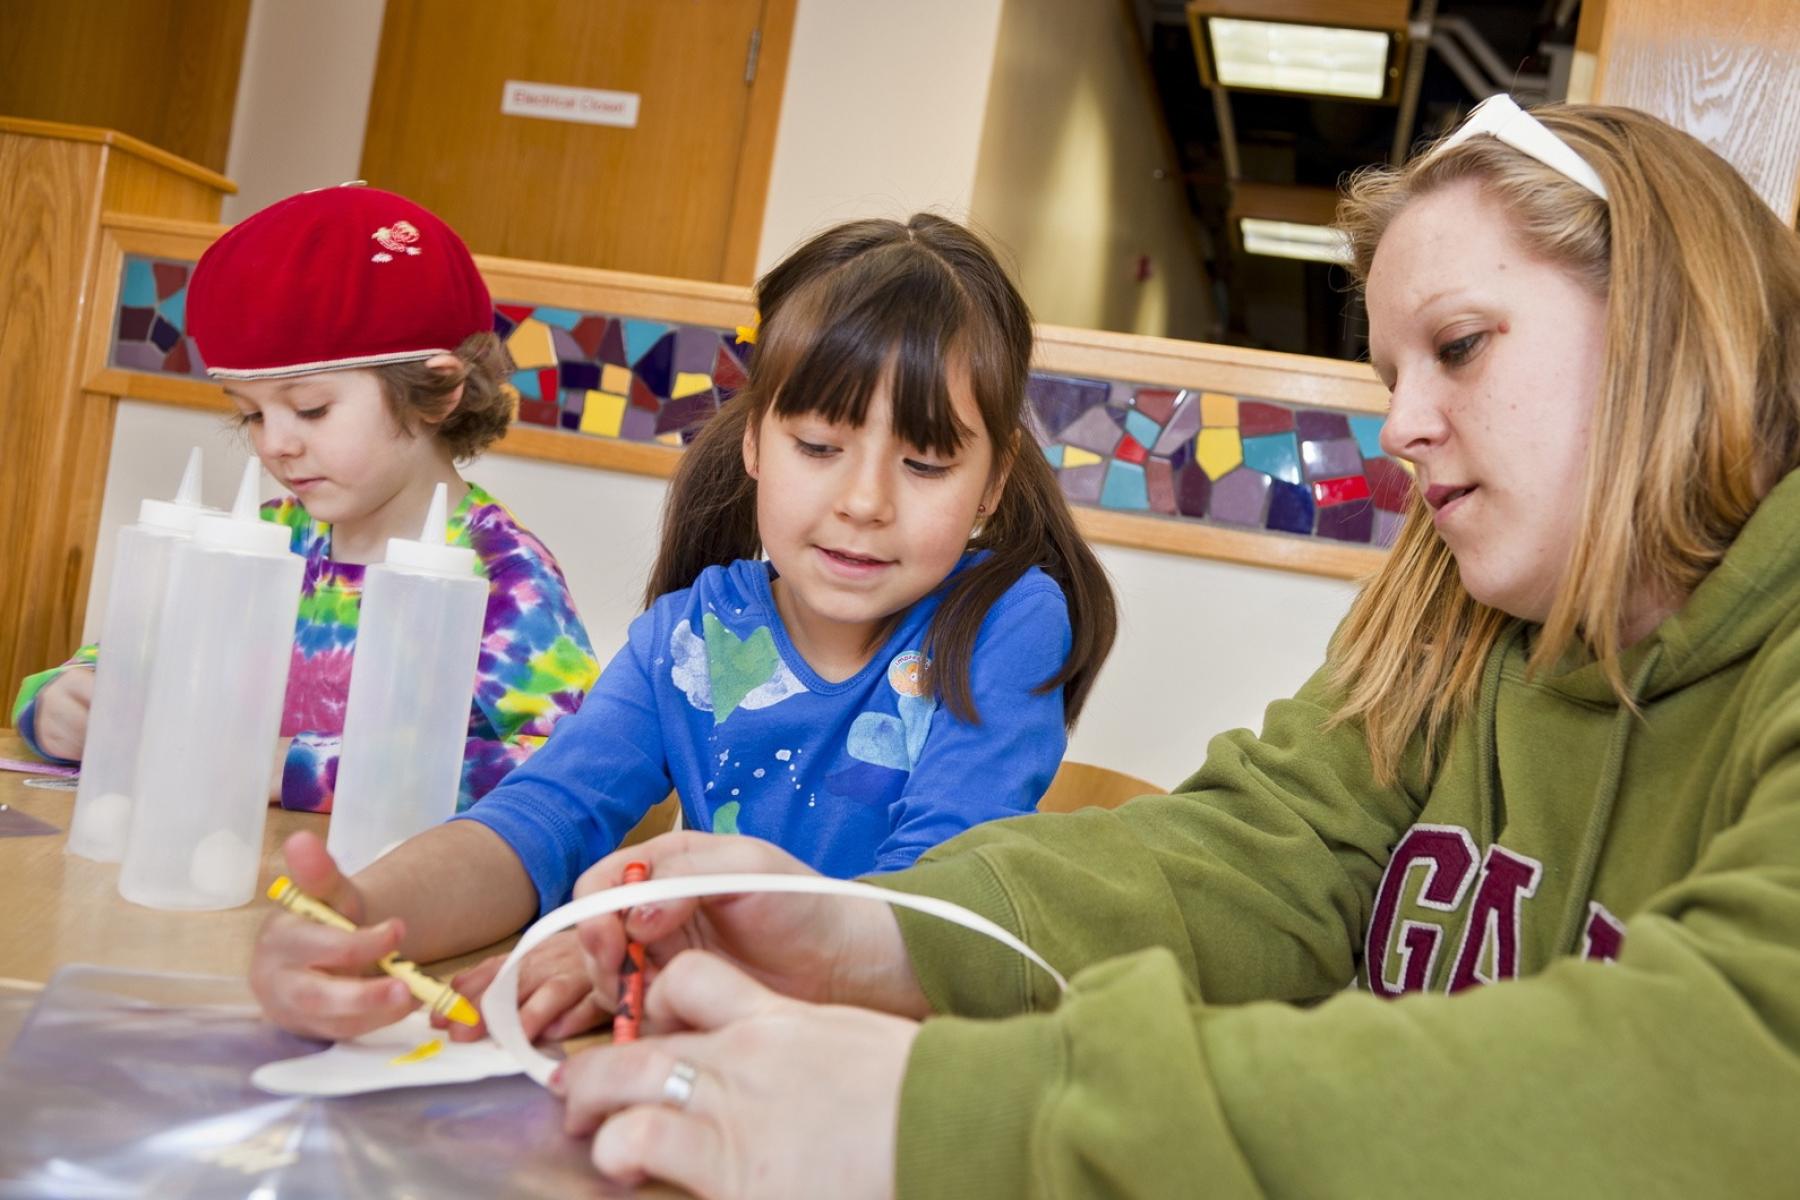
[[435, 994]]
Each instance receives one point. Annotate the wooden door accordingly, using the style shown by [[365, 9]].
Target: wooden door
[[680, 194]]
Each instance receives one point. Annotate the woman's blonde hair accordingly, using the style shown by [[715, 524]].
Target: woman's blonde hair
[[1698, 414]]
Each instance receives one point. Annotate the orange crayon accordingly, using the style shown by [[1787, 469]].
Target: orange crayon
[[630, 1010]]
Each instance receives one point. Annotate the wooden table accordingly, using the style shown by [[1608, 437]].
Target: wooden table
[[61, 908]]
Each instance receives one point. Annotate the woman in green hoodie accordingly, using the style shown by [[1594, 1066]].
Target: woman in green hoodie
[[1554, 750]]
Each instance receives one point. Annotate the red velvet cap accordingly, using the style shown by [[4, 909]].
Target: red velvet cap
[[341, 277]]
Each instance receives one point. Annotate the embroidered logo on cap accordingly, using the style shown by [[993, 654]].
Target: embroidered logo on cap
[[397, 238]]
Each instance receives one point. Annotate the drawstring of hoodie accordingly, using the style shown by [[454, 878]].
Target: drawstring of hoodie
[[1586, 863], [1606, 798]]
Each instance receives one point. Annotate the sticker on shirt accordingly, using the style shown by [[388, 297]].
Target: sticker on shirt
[[886, 746], [721, 672]]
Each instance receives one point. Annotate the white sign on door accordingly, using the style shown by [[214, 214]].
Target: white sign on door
[[553, 102]]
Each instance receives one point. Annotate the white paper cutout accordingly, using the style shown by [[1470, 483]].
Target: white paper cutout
[[366, 1064], [500, 1004]]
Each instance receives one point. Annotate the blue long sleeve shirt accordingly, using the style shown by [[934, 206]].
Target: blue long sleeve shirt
[[709, 696]]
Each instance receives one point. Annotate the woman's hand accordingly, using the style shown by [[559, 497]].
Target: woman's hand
[[556, 997], [768, 1073], [818, 948], [61, 718], [316, 980]]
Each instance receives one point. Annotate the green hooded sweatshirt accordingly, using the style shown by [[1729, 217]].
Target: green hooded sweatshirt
[[1564, 963]]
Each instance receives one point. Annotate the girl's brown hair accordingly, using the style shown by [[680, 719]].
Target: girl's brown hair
[[416, 395], [874, 300], [1698, 414]]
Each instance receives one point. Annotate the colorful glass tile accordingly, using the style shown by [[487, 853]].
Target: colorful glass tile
[[614, 378], [1058, 400], [1075, 456], [573, 401], [640, 336], [694, 349], [503, 325], [728, 376], [1156, 403], [1130, 450], [642, 398], [514, 312], [579, 375], [164, 335], [1218, 451], [1240, 498], [1218, 409], [1346, 523], [672, 438], [601, 413], [637, 425], [560, 318], [1315, 425], [569, 420], [1290, 508], [1159, 477], [176, 362], [587, 334], [170, 277], [139, 288], [174, 308], [1093, 430], [1193, 490], [134, 323], [686, 412], [530, 345], [138, 356], [1274, 454], [1182, 426], [689, 384], [612, 345], [1256, 418], [1340, 491], [1329, 460], [538, 412], [549, 383], [1367, 432], [1387, 528], [657, 365], [1054, 456], [566, 348], [1391, 486], [1141, 427], [1125, 487], [527, 384], [1082, 484]]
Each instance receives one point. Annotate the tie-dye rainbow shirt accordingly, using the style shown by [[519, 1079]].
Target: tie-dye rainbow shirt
[[535, 666]]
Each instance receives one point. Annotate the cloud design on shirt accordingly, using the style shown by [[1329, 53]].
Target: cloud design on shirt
[[722, 672]]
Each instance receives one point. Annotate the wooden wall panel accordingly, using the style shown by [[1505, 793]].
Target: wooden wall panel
[[679, 195], [1727, 73], [165, 71]]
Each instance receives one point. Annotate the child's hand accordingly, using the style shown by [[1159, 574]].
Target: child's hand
[[556, 998], [816, 948], [767, 1074], [316, 980], [61, 720]]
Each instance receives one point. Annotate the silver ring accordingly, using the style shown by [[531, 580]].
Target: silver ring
[[678, 1088]]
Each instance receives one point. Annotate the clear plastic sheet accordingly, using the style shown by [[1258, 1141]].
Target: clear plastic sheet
[[128, 1084]]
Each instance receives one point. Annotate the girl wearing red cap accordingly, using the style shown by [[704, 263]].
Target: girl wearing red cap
[[355, 336], [903, 664]]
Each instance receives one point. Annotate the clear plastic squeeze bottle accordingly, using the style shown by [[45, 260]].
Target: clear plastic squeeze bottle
[[134, 603], [406, 724], [218, 678]]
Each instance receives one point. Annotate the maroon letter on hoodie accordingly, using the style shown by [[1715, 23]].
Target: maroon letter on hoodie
[[1506, 880], [1447, 853]]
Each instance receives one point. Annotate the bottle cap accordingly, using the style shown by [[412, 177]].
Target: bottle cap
[[177, 515], [430, 554], [243, 529]]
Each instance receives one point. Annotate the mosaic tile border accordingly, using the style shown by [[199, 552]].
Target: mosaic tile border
[[1190, 455]]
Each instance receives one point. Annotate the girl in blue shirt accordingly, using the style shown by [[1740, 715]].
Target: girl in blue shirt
[[903, 665]]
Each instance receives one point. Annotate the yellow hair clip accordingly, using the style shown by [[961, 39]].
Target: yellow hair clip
[[747, 333]]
